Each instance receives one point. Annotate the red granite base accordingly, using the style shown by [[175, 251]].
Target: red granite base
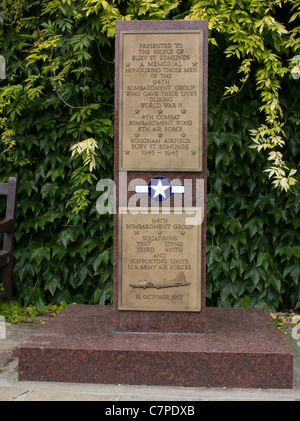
[[241, 348]]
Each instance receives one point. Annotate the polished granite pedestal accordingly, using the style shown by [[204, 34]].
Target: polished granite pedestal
[[240, 348]]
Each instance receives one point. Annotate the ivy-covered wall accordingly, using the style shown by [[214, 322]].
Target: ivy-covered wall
[[253, 229], [59, 93]]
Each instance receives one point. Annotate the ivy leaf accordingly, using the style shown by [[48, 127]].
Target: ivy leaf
[[252, 273], [39, 253], [52, 285], [264, 259]]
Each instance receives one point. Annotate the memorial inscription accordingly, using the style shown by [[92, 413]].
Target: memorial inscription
[[161, 262], [161, 92]]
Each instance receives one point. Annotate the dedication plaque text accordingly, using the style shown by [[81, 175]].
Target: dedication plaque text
[[160, 262], [161, 94]]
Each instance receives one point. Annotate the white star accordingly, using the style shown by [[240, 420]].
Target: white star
[[160, 189]]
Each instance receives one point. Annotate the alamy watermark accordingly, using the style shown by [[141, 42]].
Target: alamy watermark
[[296, 67], [296, 333], [2, 328], [2, 67], [188, 197]]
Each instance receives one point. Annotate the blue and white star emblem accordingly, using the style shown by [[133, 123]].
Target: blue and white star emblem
[[159, 189]]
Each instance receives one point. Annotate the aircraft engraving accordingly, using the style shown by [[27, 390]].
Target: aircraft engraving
[[179, 281]]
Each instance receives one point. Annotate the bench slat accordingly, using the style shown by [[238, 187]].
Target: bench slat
[[3, 189], [4, 258], [6, 225], [3, 295]]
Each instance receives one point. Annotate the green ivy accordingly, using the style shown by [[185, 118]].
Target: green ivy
[[264, 36], [15, 313], [56, 121], [253, 245], [58, 93]]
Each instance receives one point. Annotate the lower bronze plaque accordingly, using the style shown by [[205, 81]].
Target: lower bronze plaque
[[160, 261]]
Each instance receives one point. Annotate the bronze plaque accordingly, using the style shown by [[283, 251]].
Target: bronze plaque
[[159, 262], [161, 100]]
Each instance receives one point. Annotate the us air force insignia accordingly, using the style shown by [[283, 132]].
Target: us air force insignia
[[159, 189]]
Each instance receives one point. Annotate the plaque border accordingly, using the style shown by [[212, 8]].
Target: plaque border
[[199, 168], [146, 211]]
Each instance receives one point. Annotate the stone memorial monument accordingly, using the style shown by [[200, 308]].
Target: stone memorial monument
[[159, 331], [161, 112]]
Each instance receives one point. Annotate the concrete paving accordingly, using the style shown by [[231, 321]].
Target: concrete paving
[[11, 389]]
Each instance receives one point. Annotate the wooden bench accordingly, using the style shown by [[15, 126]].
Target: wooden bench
[[7, 228]]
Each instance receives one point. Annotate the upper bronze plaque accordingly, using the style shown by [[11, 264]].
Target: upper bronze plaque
[[161, 100]]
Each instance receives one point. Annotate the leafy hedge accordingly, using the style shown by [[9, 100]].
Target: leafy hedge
[[59, 92], [253, 243]]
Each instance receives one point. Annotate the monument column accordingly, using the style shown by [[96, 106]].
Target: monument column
[[160, 174]]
